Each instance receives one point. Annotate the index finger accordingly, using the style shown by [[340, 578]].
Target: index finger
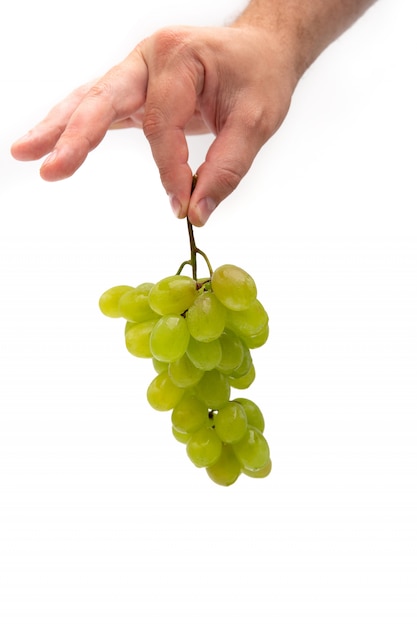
[[175, 81]]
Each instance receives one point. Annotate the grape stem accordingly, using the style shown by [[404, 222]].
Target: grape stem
[[193, 248]]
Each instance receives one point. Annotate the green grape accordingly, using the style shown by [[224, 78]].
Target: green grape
[[234, 287], [173, 295], [204, 447], [145, 287], [129, 325], [137, 339], [253, 413], [230, 422], [204, 355], [134, 306], [249, 322], [252, 450], [162, 394], [190, 414], [233, 352], [169, 338], [245, 381], [213, 389], [179, 436], [263, 472], [203, 285], [184, 373], [109, 300], [206, 317], [259, 339], [159, 366], [226, 470], [246, 364]]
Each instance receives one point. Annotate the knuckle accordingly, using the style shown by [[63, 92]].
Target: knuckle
[[166, 40], [100, 90], [228, 177], [102, 93], [153, 123], [165, 174], [258, 123], [173, 49]]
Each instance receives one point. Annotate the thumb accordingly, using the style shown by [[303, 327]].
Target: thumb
[[227, 161]]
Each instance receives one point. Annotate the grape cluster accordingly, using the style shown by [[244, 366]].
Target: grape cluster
[[199, 335]]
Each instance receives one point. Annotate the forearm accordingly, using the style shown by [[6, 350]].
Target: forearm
[[309, 26]]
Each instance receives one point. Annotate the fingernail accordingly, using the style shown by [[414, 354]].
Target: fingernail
[[204, 209], [175, 205]]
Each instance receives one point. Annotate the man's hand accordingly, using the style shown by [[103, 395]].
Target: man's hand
[[233, 82]]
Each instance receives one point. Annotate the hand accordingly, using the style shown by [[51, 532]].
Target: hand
[[235, 82]]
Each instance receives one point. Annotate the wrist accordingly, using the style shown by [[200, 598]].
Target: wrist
[[281, 31], [302, 30]]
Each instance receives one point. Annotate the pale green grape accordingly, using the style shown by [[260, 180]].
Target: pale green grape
[[246, 364], [159, 366], [184, 373], [252, 450], [249, 322], [109, 300], [162, 394], [234, 287], [233, 352], [263, 472], [226, 470], [204, 355], [204, 447], [206, 317], [169, 338], [134, 306], [203, 285], [190, 414], [137, 338], [230, 422], [243, 382], [213, 389], [259, 339], [173, 294], [253, 413], [145, 287], [179, 436]]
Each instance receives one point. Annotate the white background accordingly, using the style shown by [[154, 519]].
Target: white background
[[103, 519]]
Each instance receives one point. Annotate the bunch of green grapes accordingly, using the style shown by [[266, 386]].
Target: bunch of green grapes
[[199, 335]]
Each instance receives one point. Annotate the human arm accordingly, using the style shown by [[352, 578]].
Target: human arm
[[235, 82]]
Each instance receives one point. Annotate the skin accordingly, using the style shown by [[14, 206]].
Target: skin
[[235, 82]]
